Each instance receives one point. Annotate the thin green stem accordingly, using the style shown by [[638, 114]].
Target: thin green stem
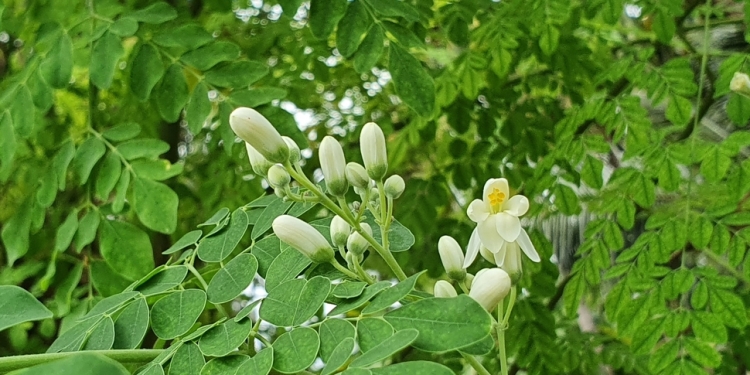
[[261, 338], [511, 303], [475, 364], [343, 270], [203, 283], [135, 356], [462, 285], [363, 274], [501, 340]]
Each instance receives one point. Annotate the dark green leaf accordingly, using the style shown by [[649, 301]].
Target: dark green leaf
[[168, 278], [101, 336], [413, 368], [295, 350], [285, 266], [18, 306], [105, 54], [349, 289], [66, 231], [371, 332], [369, 51], [260, 364], [413, 85], [395, 8], [146, 70], [189, 239], [591, 171], [87, 230], [385, 349], [355, 303], [142, 148], [352, 28], [269, 214], [224, 338], [324, 15], [198, 108], [295, 301], [236, 74], [257, 96], [108, 175], [122, 132], [121, 190], [228, 365], [216, 248], [189, 36], [171, 94], [207, 56], [174, 314], [83, 363], [156, 205], [106, 280], [332, 332], [392, 295], [188, 360], [126, 249], [157, 170], [232, 279], [155, 13], [58, 65], [88, 153], [266, 250], [131, 325]]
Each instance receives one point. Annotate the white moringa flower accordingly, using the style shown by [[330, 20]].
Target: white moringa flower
[[740, 83], [489, 287], [303, 237], [444, 289], [357, 243], [508, 258], [255, 129], [452, 257], [333, 164], [497, 221], [259, 164], [357, 175], [339, 231], [394, 186], [278, 177], [294, 154], [372, 144]]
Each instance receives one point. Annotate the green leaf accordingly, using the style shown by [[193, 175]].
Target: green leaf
[[105, 54], [591, 172], [669, 176], [387, 348], [349, 289], [8, 145], [83, 363], [198, 108], [566, 200], [260, 364], [371, 332], [232, 279], [481, 347], [22, 112], [189, 36], [664, 356], [131, 325], [124, 26], [72, 339], [715, 165], [102, 336], [549, 39], [126, 249], [41, 93], [295, 350], [171, 94], [174, 314], [153, 368], [188, 360], [738, 109], [166, 279], [61, 161], [340, 355], [728, 307], [355, 303], [679, 110], [443, 323], [106, 280], [741, 218], [664, 26], [88, 153], [242, 314], [64, 290], [256, 96], [395, 8], [413, 368], [720, 239], [224, 366], [413, 85], [189, 239], [285, 267], [642, 191], [155, 13], [66, 231], [236, 74], [708, 327], [87, 227], [269, 214], [647, 335], [156, 205], [400, 237], [217, 218], [224, 338], [737, 247], [352, 28], [324, 15], [157, 170], [332, 332], [284, 122], [369, 51], [108, 175], [122, 132], [699, 297], [217, 247], [702, 353], [626, 214], [58, 65], [207, 56], [146, 70], [142, 148], [392, 295], [266, 250], [295, 301], [121, 190], [18, 306], [700, 231]]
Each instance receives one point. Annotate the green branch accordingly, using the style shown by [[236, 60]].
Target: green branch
[[8, 364]]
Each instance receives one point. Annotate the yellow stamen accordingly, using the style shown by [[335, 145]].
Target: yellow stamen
[[496, 198]]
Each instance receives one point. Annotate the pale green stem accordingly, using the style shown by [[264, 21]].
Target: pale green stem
[[203, 283], [462, 285], [344, 270], [475, 364], [511, 303], [501, 340], [135, 356], [362, 273], [385, 220]]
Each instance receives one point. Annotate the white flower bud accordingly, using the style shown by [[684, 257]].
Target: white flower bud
[[452, 257], [394, 186], [259, 164], [356, 243], [374, 195], [294, 154], [255, 129], [357, 175], [374, 155], [333, 164], [339, 231], [740, 83], [303, 237], [489, 287], [513, 261], [278, 177], [444, 289], [469, 279], [279, 193]]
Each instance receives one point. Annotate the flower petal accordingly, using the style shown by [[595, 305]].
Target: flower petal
[[517, 205], [488, 234], [486, 254], [492, 184], [478, 211], [500, 255], [508, 226], [528, 248], [472, 249]]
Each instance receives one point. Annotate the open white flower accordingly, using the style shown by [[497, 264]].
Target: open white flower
[[497, 217]]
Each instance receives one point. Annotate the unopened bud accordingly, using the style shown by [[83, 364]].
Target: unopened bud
[[259, 164], [512, 262], [356, 243], [374, 195], [303, 237], [444, 289], [339, 231], [278, 177], [489, 287], [394, 186], [452, 257], [740, 83], [374, 155], [469, 279], [294, 154], [357, 175], [333, 164], [255, 129]]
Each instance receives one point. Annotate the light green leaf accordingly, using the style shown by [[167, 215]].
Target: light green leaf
[[272, 211], [105, 54], [370, 50], [352, 28], [121, 190], [647, 335], [168, 278], [209, 55], [371, 332], [700, 231], [728, 307], [174, 314], [124, 26], [715, 164], [171, 94], [738, 109], [392, 295], [324, 15], [142, 148], [285, 267], [155, 13], [224, 366], [102, 336], [258, 365], [400, 237], [107, 176], [355, 303], [18, 306], [702, 353], [146, 70], [266, 250], [22, 112], [388, 347], [156, 205], [72, 339], [189, 36], [224, 338], [443, 323], [256, 96], [217, 218], [339, 356], [549, 39], [61, 161], [8, 145], [236, 74], [87, 227], [153, 368], [198, 108], [413, 368], [122, 132], [664, 356], [157, 170], [131, 325], [41, 93], [83, 363], [413, 85], [679, 110], [64, 290], [126, 249], [349, 289], [189, 239], [591, 172], [295, 350], [332, 332], [566, 200], [664, 26], [708, 327], [188, 360], [58, 65], [395, 8], [216, 248], [106, 280], [295, 301], [88, 153], [232, 279], [66, 231], [669, 176]]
